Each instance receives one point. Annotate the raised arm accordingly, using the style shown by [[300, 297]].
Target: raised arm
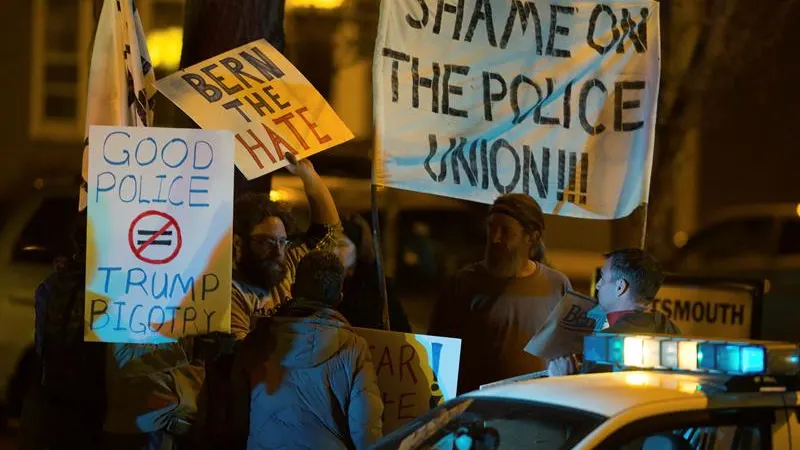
[[320, 201]]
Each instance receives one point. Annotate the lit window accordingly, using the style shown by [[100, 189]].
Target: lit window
[[62, 39], [63, 35]]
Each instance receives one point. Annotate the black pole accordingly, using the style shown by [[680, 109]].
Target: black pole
[[212, 27], [376, 242]]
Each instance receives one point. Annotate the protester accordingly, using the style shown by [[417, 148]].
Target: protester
[[497, 305], [313, 382], [67, 405], [265, 259], [362, 303], [264, 264], [629, 281]]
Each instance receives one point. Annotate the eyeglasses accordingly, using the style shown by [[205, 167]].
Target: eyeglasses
[[270, 242]]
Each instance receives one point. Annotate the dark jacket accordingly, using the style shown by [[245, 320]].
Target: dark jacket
[[361, 301], [317, 387], [652, 322], [70, 372]]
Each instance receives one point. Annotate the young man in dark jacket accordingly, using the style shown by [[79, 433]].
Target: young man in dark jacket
[[312, 381], [629, 280]]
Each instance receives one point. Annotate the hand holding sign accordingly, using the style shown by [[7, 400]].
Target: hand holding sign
[[562, 334], [302, 168]]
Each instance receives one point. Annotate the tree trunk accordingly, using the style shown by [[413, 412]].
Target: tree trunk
[[212, 27]]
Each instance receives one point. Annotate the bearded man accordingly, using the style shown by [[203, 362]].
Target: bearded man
[[496, 305], [264, 258]]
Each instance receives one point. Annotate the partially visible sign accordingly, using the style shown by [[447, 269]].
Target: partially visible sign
[[416, 372], [257, 93], [574, 317], [158, 263], [708, 311], [712, 307]]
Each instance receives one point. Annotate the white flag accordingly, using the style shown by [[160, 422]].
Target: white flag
[[121, 78]]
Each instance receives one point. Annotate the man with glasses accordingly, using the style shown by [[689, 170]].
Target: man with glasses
[[264, 266], [264, 259]]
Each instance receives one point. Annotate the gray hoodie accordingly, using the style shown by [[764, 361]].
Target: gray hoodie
[[317, 388]]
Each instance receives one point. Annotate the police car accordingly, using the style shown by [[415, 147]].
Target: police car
[[673, 393]]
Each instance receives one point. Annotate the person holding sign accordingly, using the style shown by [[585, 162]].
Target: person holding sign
[[629, 280], [264, 266], [265, 260], [312, 381], [496, 305]]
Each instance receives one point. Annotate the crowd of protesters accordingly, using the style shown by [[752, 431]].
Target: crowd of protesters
[[292, 373]]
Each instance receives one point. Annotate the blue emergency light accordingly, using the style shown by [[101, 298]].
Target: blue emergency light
[[694, 355]]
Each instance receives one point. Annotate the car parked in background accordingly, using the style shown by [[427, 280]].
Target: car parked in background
[[757, 241], [35, 231]]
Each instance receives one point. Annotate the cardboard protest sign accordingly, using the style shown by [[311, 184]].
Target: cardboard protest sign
[[574, 317], [160, 212], [479, 98], [270, 106], [416, 372], [715, 307]]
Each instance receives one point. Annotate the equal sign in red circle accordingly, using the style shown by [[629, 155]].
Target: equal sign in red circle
[[170, 225]]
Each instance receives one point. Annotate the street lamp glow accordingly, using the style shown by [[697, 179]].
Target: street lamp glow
[[318, 4], [165, 46]]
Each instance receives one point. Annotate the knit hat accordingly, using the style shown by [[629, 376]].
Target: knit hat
[[521, 207]]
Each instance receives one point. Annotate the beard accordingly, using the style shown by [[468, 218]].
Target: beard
[[264, 273], [501, 261]]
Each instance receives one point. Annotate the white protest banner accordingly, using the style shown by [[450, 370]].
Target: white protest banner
[[478, 98], [416, 372], [270, 106], [160, 212]]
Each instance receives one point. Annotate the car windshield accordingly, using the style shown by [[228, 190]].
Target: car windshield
[[494, 424]]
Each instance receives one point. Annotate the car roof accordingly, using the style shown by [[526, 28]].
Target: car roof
[[607, 394]]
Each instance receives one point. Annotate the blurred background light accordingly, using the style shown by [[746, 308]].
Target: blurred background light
[[165, 47], [318, 4]]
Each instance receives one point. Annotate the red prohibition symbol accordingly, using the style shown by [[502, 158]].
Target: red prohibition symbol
[[168, 234]]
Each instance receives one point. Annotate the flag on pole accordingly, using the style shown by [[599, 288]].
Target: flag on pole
[[121, 77]]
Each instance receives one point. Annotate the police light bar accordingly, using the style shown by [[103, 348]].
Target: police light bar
[[695, 355]]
